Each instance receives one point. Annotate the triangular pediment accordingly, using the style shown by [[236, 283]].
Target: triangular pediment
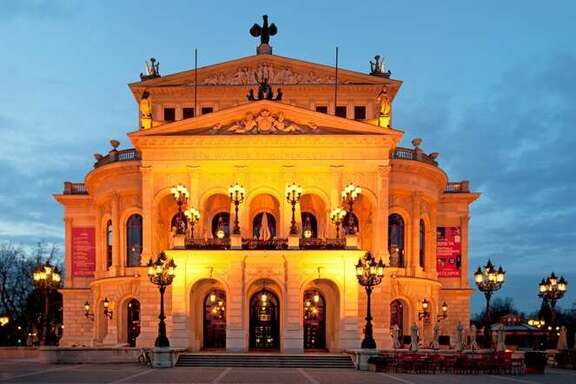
[[267, 118], [279, 70]]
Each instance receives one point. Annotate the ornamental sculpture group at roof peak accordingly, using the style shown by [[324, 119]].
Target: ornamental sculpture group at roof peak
[[266, 123]]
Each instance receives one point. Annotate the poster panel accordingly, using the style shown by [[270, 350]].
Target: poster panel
[[448, 251], [83, 251]]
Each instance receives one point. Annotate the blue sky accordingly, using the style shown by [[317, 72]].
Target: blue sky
[[490, 85]]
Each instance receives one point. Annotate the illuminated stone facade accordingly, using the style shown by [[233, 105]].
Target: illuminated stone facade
[[218, 137]]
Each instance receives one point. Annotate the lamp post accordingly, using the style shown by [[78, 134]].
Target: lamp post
[[336, 216], [550, 290], [236, 192], [488, 280], [293, 194], [181, 195], [369, 273], [193, 215], [349, 194], [46, 278], [161, 273]]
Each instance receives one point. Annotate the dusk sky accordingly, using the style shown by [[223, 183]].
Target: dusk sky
[[489, 85]]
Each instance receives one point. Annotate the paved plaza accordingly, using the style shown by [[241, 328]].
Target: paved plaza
[[27, 371]]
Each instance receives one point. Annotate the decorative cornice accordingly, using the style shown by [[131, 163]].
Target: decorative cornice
[[264, 123]]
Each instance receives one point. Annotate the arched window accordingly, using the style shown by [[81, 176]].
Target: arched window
[[422, 244], [396, 240], [134, 240], [346, 223], [109, 244], [309, 226], [221, 224], [264, 232]]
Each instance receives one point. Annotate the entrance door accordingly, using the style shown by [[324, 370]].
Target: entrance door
[[215, 320], [133, 318], [264, 321], [314, 320]]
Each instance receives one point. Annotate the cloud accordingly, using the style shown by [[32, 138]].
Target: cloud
[[37, 9]]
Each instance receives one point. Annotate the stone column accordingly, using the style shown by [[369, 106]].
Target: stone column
[[194, 199], [413, 261], [351, 314], [179, 337], [68, 275], [380, 227], [147, 212], [464, 244], [431, 241], [117, 263], [236, 302], [293, 335]]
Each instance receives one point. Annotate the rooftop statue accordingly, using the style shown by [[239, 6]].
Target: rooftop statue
[[377, 67], [264, 31], [152, 70]]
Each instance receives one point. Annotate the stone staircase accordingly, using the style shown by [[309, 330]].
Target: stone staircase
[[270, 360]]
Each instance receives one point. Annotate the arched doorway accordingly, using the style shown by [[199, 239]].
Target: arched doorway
[[397, 316], [215, 320], [133, 321], [264, 321], [314, 320]]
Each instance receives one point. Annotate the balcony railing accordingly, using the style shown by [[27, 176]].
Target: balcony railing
[[457, 187], [74, 188], [212, 244], [417, 154], [272, 244], [322, 243], [117, 155]]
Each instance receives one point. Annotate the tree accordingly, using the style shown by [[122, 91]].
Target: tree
[[499, 307], [18, 297]]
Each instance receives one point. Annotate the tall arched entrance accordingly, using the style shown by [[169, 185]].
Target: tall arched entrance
[[215, 320], [264, 321], [133, 321], [314, 321]]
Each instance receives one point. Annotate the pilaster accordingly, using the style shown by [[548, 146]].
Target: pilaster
[[117, 262], [68, 279], [464, 220], [147, 209]]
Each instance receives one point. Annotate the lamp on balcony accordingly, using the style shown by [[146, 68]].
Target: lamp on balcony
[[336, 216], [349, 195], [293, 194], [181, 195], [193, 215], [236, 192]]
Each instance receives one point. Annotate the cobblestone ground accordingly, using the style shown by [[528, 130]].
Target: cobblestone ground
[[26, 371]]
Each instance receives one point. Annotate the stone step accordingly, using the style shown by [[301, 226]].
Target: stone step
[[265, 360]]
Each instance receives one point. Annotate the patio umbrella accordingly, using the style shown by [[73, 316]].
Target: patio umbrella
[[473, 343], [264, 229], [459, 337], [414, 338], [500, 338], [436, 339], [562, 340]]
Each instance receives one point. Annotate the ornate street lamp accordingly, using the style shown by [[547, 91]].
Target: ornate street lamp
[[161, 273], [336, 216], [193, 216], [551, 290], [349, 194], [236, 192], [293, 194], [46, 278], [488, 280], [4, 319], [369, 273], [181, 195]]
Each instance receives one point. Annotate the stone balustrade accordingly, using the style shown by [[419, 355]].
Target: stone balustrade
[[116, 155], [74, 188], [458, 187]]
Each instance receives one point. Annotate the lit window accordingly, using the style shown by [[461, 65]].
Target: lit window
[[134, 240]]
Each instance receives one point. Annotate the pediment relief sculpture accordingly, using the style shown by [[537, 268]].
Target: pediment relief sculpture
[[265, 123], [275, 74]]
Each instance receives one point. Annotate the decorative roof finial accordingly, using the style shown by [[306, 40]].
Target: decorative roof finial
[[152, 70], [264, 31], [377, 67]]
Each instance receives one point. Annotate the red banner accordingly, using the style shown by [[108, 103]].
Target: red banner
[[448, 251], [83, 251]]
